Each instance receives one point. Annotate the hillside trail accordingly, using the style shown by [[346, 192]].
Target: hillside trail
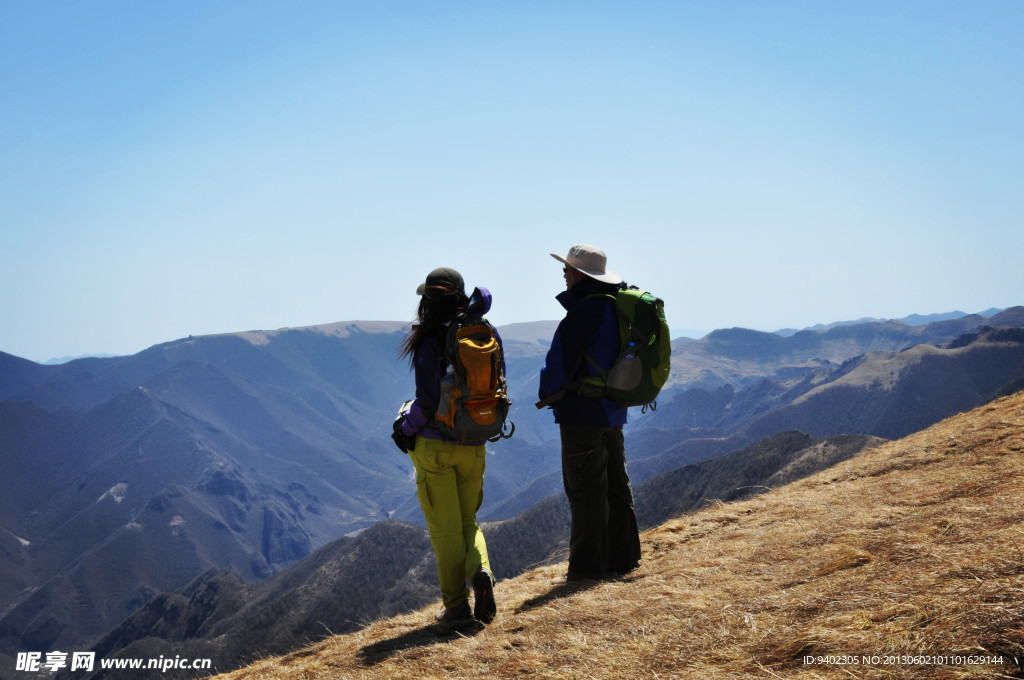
[[904, 562]]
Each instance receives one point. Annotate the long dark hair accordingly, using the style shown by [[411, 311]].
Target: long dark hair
[[431, 317]]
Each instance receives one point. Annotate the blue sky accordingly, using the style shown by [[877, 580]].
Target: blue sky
[[176, 168]]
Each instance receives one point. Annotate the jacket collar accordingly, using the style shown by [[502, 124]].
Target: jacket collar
[[588, 286]]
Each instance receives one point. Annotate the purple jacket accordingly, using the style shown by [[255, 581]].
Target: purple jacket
[[429, 366]]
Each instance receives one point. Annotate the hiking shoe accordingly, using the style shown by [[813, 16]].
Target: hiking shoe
[[618, 571], [574, 577], [460, 613], [484, 606]]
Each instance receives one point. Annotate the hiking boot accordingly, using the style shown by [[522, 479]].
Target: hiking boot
[[574, 577], [484, 606], [618, 571], [460, 613]]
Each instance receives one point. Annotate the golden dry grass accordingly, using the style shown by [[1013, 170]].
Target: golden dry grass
[[913, 549]]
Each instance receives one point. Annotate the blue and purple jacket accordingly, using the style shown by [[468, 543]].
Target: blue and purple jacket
[[590, 327], [429, 365]]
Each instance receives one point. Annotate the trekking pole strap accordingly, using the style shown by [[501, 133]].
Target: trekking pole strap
[[551, 398]]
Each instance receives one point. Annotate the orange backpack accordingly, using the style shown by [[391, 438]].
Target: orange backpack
[[474, 402]]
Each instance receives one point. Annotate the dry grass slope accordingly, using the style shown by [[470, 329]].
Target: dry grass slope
[[914, 549]]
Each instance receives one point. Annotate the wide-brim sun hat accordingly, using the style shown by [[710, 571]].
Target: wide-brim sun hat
[[590, 260]]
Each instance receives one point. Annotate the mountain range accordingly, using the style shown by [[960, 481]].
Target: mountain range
[[124, 480], [910, 320]]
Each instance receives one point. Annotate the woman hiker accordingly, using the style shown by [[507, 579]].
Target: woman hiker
[[449, 476]]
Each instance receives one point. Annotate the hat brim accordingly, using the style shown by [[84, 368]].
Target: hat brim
[[606, 276]]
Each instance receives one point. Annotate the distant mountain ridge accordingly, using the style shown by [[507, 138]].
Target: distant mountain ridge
[[230, 452], [910, 320], [65, 359], [739, 356], [884, 394]]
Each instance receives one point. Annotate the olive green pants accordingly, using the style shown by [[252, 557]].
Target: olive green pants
[[450, 487]]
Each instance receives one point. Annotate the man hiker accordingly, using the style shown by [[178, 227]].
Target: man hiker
[[604, 539]]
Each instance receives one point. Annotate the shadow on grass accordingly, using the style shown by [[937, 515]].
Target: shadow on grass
[[421, 637], [559, 591]]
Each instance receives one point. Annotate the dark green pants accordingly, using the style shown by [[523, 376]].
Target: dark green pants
[[604, 536]]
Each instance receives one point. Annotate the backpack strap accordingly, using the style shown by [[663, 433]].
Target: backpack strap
[[551, 398], [601, 371], [448, 348]]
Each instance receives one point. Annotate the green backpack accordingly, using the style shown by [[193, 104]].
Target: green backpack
[[642, 367]]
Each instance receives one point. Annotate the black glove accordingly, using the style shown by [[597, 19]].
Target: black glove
[[404, 442]]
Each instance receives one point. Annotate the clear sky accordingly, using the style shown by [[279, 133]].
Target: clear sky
[[176, 168]]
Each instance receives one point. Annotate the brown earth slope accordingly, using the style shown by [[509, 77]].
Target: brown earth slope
[[905, 562]]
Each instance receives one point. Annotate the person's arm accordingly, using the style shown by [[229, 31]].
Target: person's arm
[[568, 346], [427, 369]]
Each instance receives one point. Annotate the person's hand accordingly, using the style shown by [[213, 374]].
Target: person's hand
[[404, 442]]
